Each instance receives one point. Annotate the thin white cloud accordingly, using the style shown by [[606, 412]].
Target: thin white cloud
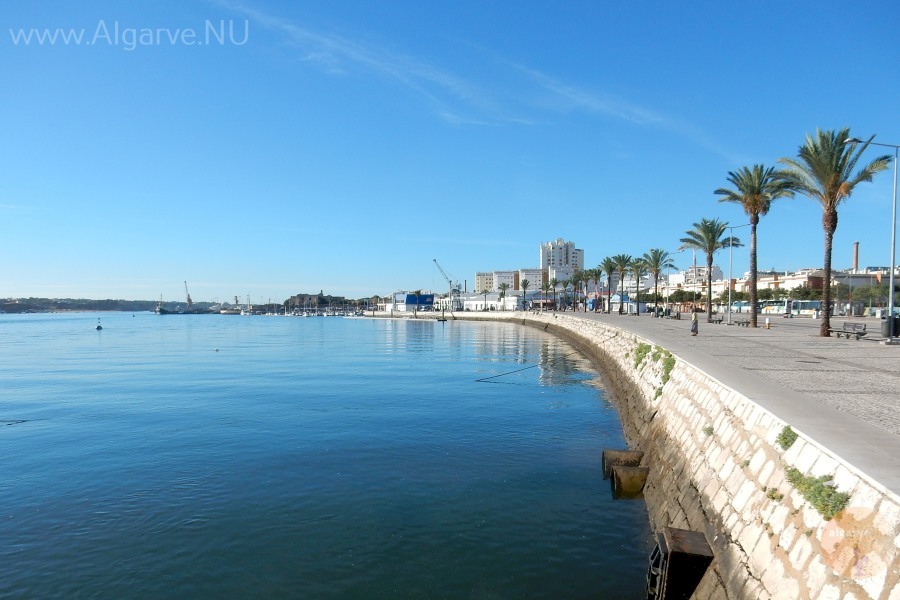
[[337, 54], [564, 97], [461, 102], [568, 97]]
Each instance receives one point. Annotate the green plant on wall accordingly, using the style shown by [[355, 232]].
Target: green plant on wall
[[819, 492], [668, 365], [640, 353], [787, 437]]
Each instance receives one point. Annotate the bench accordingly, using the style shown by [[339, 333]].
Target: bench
[[742, 322], [847, 329], [716, 319]]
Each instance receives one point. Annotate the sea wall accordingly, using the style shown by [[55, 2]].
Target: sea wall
[[718, 465]]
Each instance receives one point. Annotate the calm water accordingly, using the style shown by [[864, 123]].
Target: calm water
[[197, 456]]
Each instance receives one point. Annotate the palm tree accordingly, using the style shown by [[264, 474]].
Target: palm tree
[[583, 278], [622, 265], [524, 285], [575, 281], [706, 236], [594, 275], [608, 266], [545, 287], [754, 189], [657, 260], [553, 284], [485, 292], [503, 287], [823, 171], [638, 270]]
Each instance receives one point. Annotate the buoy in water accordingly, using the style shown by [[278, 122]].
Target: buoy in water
[[99, 326]]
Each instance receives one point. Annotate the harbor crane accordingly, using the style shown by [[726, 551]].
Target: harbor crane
[[189, 301], [454, 291]]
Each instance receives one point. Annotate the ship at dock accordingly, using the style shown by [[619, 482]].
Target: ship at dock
[[162, 310]]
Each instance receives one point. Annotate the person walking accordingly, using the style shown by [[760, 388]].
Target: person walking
[[695, 323]]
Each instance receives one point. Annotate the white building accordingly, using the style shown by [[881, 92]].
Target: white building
[[491, 301], [535, 278], [507, 277], [560, 254], [561, 273]]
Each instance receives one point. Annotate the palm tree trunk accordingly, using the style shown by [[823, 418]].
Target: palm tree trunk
[[754, 219], [621, 286], [709, 261], [609, 295], [637, 295], [656, 293], [829, 225]]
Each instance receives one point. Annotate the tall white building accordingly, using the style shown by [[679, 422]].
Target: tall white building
[[560, 255]]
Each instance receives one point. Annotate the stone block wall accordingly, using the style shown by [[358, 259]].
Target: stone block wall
[[716, 467]]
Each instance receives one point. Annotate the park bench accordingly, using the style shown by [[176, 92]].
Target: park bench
[[742, 322], [847, 329], [717, 319]]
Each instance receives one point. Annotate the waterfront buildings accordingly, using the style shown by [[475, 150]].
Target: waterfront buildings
[[560, 259], [561, 255]]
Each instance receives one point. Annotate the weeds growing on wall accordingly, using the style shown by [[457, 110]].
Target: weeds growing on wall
[[787, 437], [819, 492], [640, 353], [668, 365]]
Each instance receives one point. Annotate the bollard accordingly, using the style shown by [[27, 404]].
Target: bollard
[[626, 458], [767, 322]]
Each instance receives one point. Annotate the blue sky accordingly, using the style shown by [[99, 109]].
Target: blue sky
[[341, 146]]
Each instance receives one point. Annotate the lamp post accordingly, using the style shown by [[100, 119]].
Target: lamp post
[[731, 261], [890, 340]]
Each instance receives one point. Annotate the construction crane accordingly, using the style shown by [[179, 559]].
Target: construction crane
[[189, 301], [453, 294]]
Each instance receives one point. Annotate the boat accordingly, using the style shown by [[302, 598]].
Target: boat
[[160, 308], [234, 309]]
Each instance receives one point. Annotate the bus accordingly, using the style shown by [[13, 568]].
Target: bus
[[806, 308], [740, 306]]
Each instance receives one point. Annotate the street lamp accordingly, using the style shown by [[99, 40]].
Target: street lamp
[[730, 262], [890, 340]]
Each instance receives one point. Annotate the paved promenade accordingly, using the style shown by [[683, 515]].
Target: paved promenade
[[844, 394]]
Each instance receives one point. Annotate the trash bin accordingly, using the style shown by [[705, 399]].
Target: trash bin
[[886, 326]]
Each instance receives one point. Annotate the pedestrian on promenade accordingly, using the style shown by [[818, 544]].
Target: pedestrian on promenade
[[695, 324]]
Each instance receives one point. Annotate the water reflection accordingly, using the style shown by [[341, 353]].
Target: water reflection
[[512, 349]]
